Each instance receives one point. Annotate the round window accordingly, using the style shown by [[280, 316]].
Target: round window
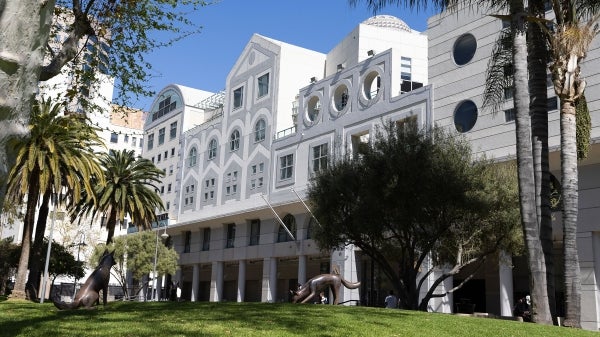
[[465, 116], [340, 97], [464, 49], [371, 85]]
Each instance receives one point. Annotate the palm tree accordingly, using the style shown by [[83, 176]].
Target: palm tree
[[55, 158], [570, 43], [128, 190]]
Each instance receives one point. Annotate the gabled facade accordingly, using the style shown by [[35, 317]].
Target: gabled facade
[[243, 230]]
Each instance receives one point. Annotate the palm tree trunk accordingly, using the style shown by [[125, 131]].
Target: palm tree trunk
[[568, 158], [32, 198], [35, 265], [527, 195], [537, 63], [111, 222]]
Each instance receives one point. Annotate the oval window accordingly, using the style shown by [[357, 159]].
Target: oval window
[[464, 49], [465, 116]]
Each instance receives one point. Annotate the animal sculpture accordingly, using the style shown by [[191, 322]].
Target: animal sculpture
[[89, 293], [320, 283]]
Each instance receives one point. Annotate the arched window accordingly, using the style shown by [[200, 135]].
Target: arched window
[[234, 140], [290, 222], [192, 157], [311, 227], [259, 130], [212, 149]]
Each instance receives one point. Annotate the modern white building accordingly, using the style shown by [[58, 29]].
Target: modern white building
[[460, 45], [287, 112]]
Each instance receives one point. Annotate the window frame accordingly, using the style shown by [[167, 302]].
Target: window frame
[[192, 157], [262, 89], [161, 136], [286, 166], [238, 98], [212, 149], [234, 140], [260, 130], [173, 131]]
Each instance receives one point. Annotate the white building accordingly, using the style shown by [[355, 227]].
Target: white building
[[287, 111]]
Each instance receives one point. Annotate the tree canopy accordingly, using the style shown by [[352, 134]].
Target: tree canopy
[[135, 253], [414, 195]]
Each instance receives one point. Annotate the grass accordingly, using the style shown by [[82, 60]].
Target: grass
[[172, 319]]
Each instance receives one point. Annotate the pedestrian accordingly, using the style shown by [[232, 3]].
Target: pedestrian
[[391, 301]]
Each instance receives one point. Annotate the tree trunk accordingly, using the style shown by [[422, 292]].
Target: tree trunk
[[111, 222], [32, 198], [37, 256], [568, 159], [537, 64], [24, 31], [527, 196]]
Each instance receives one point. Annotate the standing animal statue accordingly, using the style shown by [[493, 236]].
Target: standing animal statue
[[320, 283], [89, 293]]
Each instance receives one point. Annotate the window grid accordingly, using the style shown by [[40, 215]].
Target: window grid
[[286, 167]]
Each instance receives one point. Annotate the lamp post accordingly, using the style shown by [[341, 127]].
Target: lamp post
[[48, 254], [163, 236], [81, 243]]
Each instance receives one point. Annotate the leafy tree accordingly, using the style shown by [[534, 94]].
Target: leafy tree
[[414, 195], [56, 157], [9, 259], [62, 262], [127, 189], [111, 36], [135, 253]]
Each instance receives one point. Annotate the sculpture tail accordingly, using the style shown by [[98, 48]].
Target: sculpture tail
[[350, 285], [65, 306]]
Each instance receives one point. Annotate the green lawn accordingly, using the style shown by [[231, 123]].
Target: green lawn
[[170, 319]]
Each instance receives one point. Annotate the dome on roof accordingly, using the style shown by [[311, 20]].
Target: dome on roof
[[387, 21]]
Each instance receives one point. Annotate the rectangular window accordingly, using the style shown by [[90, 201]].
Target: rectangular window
[[509, 93], [253, 169], [252, 184], [133, 141], [234, 177], [286, 167], [552, 103], [260, 182], [263, 85], [206, 182], [150, 141], [168, 205], [227, 190], [238, 98], [233, 189], [212, 194], [261, 167], [549, 82], [158, 158], [358, 142], [406, 68], [206, 196], [188, 241], [320, 157], [206, 239], [169, 188], [254, 232], [171, 170], [230, 235], [162, 189], [509, 115], [161, 136], [114, 137], [141, 143], [173, 132], [126, 140], [172, 152], [166, 154]]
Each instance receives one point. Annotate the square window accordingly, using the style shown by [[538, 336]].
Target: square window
[[114, 137], [238, 98], [263, 85]]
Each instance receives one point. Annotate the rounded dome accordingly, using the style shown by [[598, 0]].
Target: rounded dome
[[387, 21]]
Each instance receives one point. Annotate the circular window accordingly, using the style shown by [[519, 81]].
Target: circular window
[[340, 97], [313, 108], [464, 49], [371, 85], [465, 116]]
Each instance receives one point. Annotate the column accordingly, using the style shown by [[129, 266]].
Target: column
[[302, 269], [216, 282], [241, 281], [269, 279], [195, 282], [506, 284], [588, 244]]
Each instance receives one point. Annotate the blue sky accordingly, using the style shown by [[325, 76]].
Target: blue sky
[[203, 60]]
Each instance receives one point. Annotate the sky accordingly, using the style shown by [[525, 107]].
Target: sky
[[203, 60]]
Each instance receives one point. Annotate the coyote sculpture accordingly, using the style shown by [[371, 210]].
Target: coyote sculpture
[[90, 291], [320, 283]]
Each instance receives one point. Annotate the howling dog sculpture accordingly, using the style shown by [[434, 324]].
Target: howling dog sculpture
[[320, 283], [90, 291]]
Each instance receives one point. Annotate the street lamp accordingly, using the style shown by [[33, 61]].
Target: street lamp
[[163, 236]]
